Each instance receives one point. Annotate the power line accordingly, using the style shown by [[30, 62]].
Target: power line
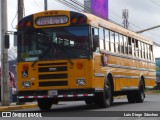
[[38, 6], [14, 19], [155, 2], [148, 29], [69, 4]]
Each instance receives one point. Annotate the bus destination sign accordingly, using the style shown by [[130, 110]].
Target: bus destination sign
[[52, 20]]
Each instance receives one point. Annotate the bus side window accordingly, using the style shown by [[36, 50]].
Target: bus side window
[[136, 48], [129, 46], [101, 36], [117, 42], [121, 43], [151, 53], [125, 45], [112, 41], [133, 47], [140, 49], [95, 37]]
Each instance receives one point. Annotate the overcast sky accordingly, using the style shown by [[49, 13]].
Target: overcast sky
[[142, 14]]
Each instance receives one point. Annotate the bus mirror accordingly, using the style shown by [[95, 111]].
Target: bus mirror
[[15, 39], [6, 41]]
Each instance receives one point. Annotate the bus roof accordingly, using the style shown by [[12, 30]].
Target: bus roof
[[100, 22]]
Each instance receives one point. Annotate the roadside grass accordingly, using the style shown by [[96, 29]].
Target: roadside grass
[[152, 91], [146, 92]]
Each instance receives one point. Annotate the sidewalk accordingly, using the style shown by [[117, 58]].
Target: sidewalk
[[13, 106]]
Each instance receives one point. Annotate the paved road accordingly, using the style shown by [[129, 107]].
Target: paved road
[[151, 104]]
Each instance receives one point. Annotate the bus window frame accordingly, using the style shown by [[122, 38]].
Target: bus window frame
[[101, 38], [95, 39], [108, 33], [117, 44], [112, 41]]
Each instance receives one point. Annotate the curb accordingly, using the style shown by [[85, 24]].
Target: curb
[[17, 107]]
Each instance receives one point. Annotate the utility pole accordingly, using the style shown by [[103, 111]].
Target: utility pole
[[20, 9], [5, 96], [20, 16], [125, 18], [45, 5], [87, 6]]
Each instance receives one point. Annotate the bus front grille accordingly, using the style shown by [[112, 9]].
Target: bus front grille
[[53, 74], [53, 83]]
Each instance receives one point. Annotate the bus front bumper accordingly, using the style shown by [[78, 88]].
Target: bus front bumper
[[60, 95]]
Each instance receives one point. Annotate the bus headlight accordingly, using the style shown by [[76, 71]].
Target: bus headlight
[[26, 84], [80, 81]]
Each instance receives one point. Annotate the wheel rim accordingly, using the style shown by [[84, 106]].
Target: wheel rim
[[142, 92], [108, 94]]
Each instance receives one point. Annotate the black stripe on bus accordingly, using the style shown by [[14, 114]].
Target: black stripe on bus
[[49, 64], [57, 69], [53, 83], [53, 76]]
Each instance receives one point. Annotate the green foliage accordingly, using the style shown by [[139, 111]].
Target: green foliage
[[152, 91]]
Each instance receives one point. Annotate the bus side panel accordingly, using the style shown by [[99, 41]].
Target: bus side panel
[[99, 74]]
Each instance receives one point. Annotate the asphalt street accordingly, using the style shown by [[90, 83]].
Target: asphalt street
[[58, 112]]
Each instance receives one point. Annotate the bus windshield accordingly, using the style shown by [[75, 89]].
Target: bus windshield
[[54, 43]]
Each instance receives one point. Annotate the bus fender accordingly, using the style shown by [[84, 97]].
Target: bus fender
[[109, 77]]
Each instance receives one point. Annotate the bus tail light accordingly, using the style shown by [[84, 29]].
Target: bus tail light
[[80, 65], [28, 24], [74, 20], [78, 20], [81, 20], [25, 67], [21, 25]]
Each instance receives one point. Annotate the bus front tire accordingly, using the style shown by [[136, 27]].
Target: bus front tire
[[89, 101], [44, 104], [104, 99], [140, 93]]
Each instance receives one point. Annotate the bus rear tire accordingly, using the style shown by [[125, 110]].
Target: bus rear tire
[[104, 99], [44, 104], [140, 93]]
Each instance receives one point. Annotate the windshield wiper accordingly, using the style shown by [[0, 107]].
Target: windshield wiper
[[40, 56]]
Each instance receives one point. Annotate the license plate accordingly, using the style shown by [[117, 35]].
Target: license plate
[[53, 93]]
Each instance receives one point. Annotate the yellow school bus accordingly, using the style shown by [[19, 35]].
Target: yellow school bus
[[66, 55]]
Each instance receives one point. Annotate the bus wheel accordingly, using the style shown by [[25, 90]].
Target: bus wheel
[[140, 93], [55, 101], [131, 97], [44, 104], [104, 98], [89, 101]]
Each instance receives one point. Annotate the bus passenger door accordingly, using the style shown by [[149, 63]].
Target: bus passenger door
[[97, 62]]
